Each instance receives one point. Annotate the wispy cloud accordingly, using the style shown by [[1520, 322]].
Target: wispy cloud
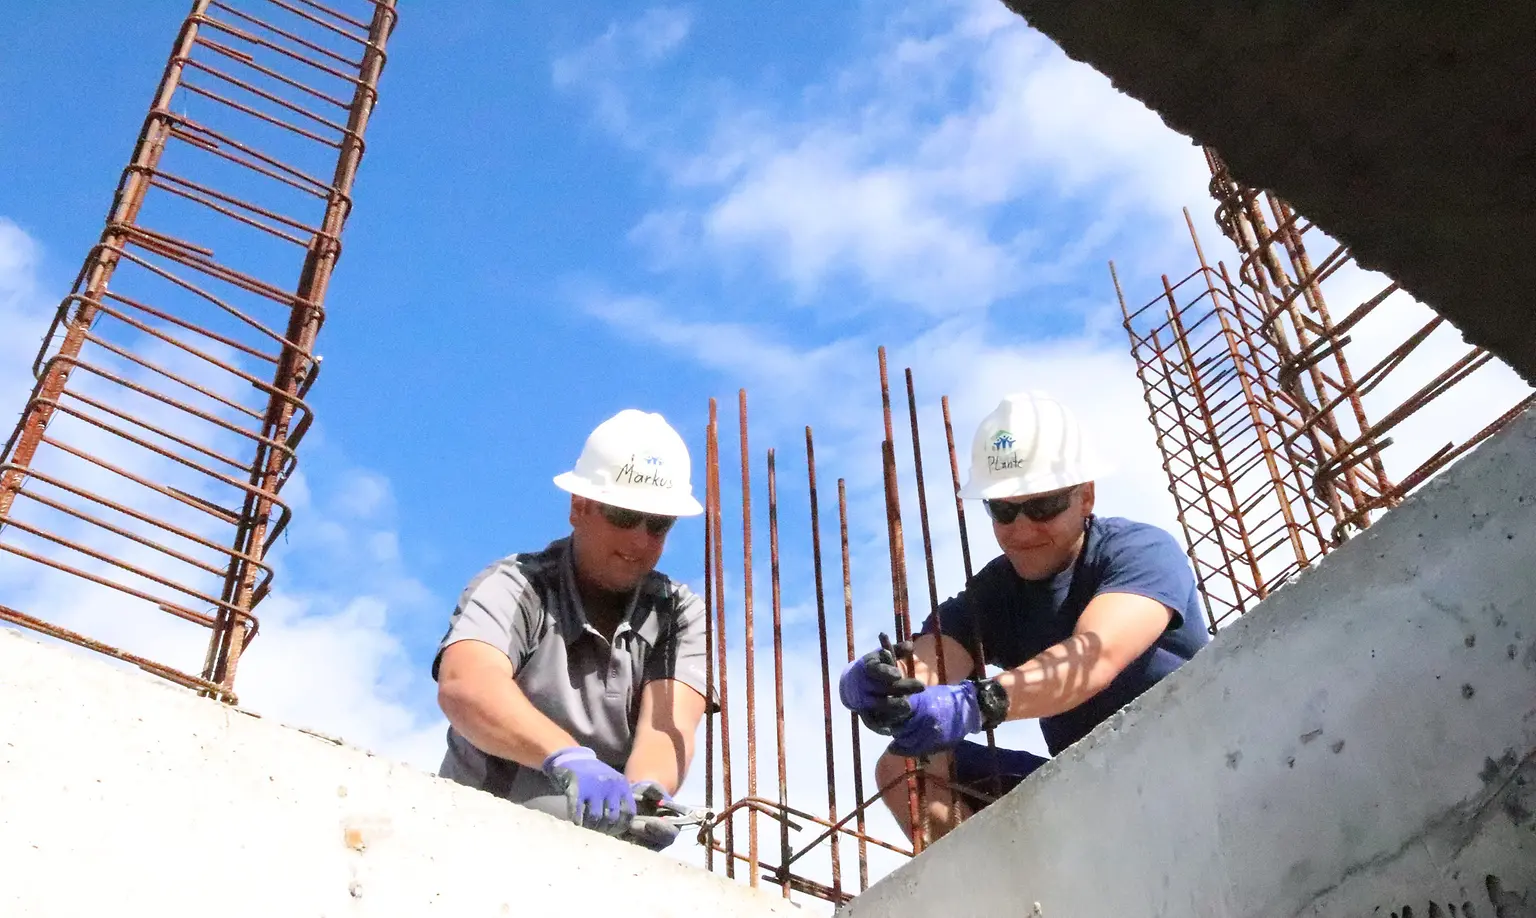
[[623, 47], [957, 162]]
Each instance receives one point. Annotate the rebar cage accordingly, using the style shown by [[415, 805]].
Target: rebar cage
[[146, 469]]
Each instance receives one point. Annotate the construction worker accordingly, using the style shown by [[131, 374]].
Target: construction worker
[[573, 677], [1081, 613]]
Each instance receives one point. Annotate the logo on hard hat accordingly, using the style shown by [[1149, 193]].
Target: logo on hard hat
[[631, 473], [1006, 457]]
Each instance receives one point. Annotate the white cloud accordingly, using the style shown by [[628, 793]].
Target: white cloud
[[326, 657], [879, 177], [644, 42]]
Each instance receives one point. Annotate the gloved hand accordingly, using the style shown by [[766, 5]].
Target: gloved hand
[[648, 828], [942, 716], [597, 797], [649, 797], [875, 688]]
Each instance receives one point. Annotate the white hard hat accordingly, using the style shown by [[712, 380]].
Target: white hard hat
[[1029, 444], [634, 460]]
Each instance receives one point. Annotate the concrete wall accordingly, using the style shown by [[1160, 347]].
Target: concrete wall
[[123, 795], [1362, 744], [1404, 129]]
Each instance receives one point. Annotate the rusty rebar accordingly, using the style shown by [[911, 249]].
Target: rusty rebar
[[853, 719], [1258, 414], [120, 327], [711, 469], [748, 635], [778, 656], [722, 661], [916, 801], [922, 515], [826, 671]]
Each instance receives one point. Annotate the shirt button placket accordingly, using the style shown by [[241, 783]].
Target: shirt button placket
[[612, 681]]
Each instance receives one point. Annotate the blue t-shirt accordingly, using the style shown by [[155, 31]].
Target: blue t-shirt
[[1020, 618]]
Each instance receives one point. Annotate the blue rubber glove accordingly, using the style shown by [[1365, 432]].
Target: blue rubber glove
[[648, 828], [875, 688], [597, 797], [942, 716]]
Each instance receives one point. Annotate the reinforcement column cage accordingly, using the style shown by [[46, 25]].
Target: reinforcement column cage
[[1265, 429], [148, 461]]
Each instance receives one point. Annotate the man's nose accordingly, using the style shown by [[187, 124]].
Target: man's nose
[[641, 538]]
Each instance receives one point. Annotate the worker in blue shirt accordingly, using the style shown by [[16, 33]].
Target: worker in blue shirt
[[1081, 613]]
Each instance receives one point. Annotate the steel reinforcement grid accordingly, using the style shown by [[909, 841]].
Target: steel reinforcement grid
[[145, 473], [1273, 443]]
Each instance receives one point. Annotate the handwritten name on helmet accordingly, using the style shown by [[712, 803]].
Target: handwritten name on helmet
[[646, 471]]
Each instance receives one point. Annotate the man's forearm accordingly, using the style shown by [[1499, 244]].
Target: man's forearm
[[1058, 679], [500, 720], [670, 712], [659, 757]]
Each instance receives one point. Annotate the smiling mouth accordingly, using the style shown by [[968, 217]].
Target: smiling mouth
[[627, 558]]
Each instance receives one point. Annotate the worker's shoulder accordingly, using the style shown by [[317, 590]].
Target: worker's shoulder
[[1117, 534], [520, 571]]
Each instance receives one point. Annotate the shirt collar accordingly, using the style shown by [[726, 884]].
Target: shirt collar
[[643, 603]]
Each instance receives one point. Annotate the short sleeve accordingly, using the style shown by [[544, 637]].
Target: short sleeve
[[498, 607], [1147, 561], [681, 650]]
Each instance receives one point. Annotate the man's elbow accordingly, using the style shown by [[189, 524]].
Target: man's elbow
[[457, 694]]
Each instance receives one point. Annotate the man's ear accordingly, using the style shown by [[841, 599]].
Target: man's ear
[[1086, 495]]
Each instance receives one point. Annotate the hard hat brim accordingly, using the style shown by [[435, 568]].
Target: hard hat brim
[[1023, 486], [655, 503]]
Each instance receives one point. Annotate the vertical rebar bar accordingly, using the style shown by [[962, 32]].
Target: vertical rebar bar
[[722, 659], [778, 665], [711, 468], [922, 515], [826, 670], [747, 638], [853, 719], [917, 809]]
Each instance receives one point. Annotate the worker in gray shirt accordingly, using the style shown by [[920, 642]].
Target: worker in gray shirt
[[573, 677]]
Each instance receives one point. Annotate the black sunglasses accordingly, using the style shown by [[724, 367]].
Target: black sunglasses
[[623, 518], [1040, 509]]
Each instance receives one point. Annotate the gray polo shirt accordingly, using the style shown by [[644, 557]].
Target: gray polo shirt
[[526, 605]]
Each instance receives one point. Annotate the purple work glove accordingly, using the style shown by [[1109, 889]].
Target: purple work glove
[[597, 797], [875, 688], [942, 716]]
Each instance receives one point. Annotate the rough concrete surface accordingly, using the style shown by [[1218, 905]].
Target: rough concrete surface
[[1407, 130], [1361, 745], [121, 794]]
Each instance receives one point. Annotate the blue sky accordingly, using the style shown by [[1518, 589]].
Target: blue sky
[[568, 211]]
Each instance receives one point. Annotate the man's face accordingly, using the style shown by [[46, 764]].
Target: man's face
[[1038, 550], [608, 556]]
